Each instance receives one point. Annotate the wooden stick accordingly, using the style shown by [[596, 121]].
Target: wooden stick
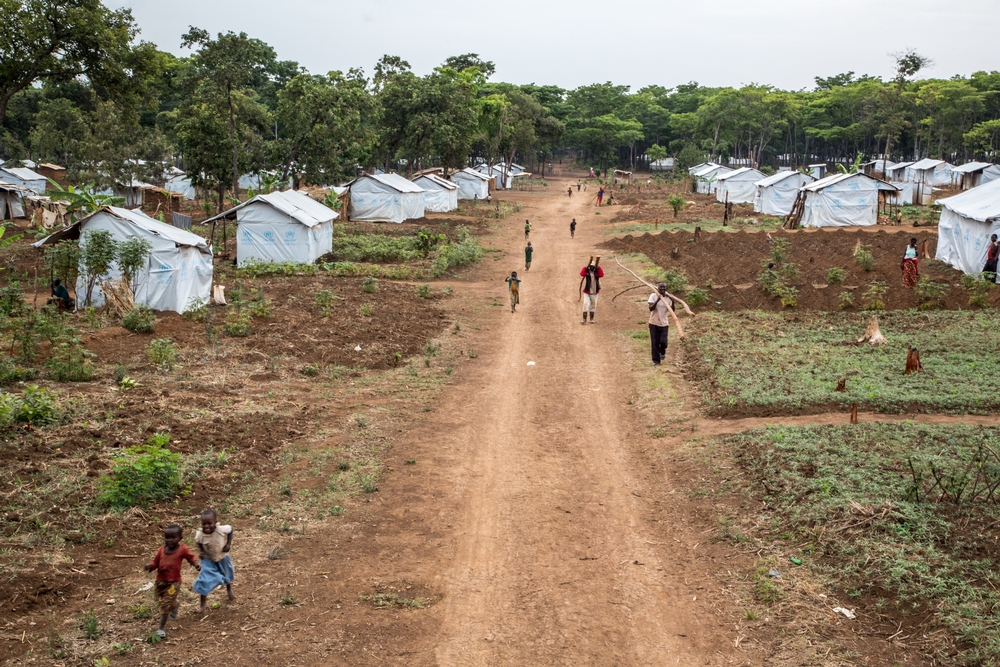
[[627, 290], [680, 329]]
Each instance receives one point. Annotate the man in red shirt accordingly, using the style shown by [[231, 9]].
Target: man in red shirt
[[167, 563], [590, 284]]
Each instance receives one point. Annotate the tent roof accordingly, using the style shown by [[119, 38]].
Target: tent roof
[[927, 163], [24, 173], [780, 176], [296, 205], [981, 203], [970, 167], [900, 165], [709, 168], [473, 172], [438, 181], [10, 187], [824, 183], [179, 236], [394, 181], [742, 171]]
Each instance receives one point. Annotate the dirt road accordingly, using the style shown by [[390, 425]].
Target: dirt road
[[552, 561]]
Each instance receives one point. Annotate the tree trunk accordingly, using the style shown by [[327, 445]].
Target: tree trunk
[[873, 335], [236, 149]]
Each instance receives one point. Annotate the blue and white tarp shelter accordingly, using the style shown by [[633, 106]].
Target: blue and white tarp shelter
[[385, 198], [973, 174], [440, 195], [706, 178], [25, 178], [177, 273], [471, 184], [175, 180], [843, 200], [281, 227], [967, 221], [776, 194], [738, 186]]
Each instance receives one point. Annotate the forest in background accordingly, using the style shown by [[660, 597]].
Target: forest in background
[[80, 89]]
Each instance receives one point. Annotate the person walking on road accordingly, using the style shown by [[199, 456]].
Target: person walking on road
[[600, 196], [527, 229], [514, 288], [590, 284], [572, 228], [528, 251], [909, 265], [659, 324], [569, 191]]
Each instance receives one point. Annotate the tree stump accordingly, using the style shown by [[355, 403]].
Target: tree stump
[[913, 364], [697, 234], [873, 335], [841, 385], [925, 250], [854, 413], [675, 253]]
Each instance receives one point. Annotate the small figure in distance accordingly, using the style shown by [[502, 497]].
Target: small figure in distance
[[528, 251], [514, 288], [572, 228], [527, 229], [569, 191]]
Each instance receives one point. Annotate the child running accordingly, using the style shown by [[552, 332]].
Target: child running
[[514, 287], [167, 562], [213, 543], [572, 228], [527, 229]]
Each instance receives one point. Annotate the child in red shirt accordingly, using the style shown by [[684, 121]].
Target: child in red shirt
[[167, 562]]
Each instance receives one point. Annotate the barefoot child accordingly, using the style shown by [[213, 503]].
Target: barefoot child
[[213, 543], [167, 562], [514, 287]]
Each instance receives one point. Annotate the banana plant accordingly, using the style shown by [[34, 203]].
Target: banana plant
[[82, 199]]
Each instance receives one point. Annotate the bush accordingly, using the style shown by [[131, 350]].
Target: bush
[[369, 284], [259, 306], [34, 405], [835, 276], [874, 296], [141, 476], [676, 280], [864, 258], [238, 324], [846, 299], [324, 302], [780, 250], [424, 291], [676, 203], [256, 267], [70, 362], [978, 286], [197, 309], [162, 353], [140, 320], [12, 299], [466, 250], [789, 296], [931, 293], [9, 372], [697, 297]]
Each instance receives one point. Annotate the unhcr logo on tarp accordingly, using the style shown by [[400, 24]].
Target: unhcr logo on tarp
[[247, 236], [269, 237], [289, 237], [164, 274]]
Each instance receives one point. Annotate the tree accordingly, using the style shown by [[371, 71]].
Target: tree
[[908, 63], [98, 251], [60, 128], [461, 63], [225, 68], [655, 153], [605, 134], [133, 253], [47, 41]]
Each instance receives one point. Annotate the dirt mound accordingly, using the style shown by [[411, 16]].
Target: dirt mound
[[729, 263]]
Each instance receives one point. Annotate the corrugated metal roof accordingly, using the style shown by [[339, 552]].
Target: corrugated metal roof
[[437, 180], [139, 219], [24, 173], [473, 172], [970, 167], [927, 163], [397, 182]]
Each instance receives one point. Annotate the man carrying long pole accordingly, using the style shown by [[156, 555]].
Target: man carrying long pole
[[590, 286]]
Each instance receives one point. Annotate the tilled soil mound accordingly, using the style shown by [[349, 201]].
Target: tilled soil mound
[[731, 262]]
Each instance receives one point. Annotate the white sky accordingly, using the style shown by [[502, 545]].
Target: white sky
[[634, 42]]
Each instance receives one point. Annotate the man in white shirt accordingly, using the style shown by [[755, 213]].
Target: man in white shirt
[[659, 324]]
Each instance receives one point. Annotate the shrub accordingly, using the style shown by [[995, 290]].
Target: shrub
[[259, 306], [324, 302], [466, 250], [70, 362], [874, 296], [676, 203], [238, 324], [366, 310], [697, 297], [12, 299], [89, 625], [864, 258], [780, 250], [369, 284], [846, 299], [676, 280], [978, 286], [197, 308], [141, 475], [424, 291], [162, 353], [930, 293], [140, 320], [98, 251], [256, 267], [9, 372], [835, 276], [789, 296], [133, 254], [34, 405]]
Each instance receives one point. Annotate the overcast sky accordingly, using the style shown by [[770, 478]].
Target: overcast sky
[[634, 42]]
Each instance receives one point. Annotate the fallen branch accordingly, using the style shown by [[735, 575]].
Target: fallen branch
[[627, 290]]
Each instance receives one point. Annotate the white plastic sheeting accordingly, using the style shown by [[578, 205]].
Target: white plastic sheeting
[[974, 174], [175, 180], [936, 173], [179, 269], [776, 194], [738, 187], [440, 195], [385, 198], [897, 172], [471, 184], [504, 178], [967, 221], [699, 167], [906, 194], [706, 178], [25, 178], [842, 200]]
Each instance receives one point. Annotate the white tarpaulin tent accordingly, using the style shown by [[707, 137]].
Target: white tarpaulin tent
[[897, 172], [25, 178], [177, 181], [974, 174], [10, 201], [967, 221], [776, 194], [842, 200], [440, 195], [706, 178], [503, 177], [699, 167], [471, 184], [179, 269], [285, 226], [385, 198], [936, 173], [737, 187]]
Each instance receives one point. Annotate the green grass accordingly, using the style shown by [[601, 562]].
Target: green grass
[[706, 224], [899, 511], [749, 362]]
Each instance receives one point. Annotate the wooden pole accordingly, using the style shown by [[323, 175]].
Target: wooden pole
[[680, 329]]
